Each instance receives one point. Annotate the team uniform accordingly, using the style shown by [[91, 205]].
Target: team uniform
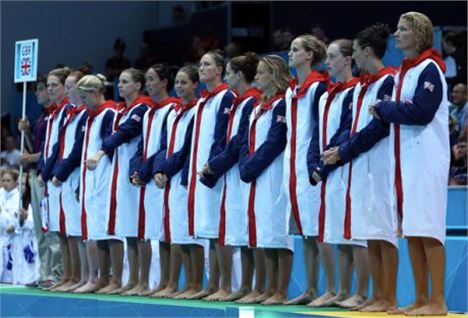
[[334, 125], [208, 140], [261, 165], [67, 169], [122, 218], [52, 203], [94, 184], [175, 147], [233, 227], [303, 200], [151, 197], [419, 135], [370, 209]]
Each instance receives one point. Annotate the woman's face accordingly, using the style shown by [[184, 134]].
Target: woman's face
[[127, 86], [184, 86], [405, 37], [298, 55], [263, 78], [154, 85], [8, 182], [208, 70], [90, 99], [42, 94], [359, 55], [232, 78], [55, 88], [71, 91], [336, 63]]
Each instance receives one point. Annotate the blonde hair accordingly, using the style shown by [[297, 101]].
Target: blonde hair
[[422, 27], [312, 44], [92, 83], [279, 69], [60, 73]]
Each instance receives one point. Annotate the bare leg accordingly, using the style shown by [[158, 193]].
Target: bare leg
[[435, 256], [224, 255], [116, 251], [311, 257], [164, 259], [420, 273], [66, 263], [376, 267], [271, 262], [247, 274], [188, 271], [75, 267], [144, 257], [345, 268], [260, 278], [327, 257], [213, 281], [389, 255], [133, 264], [174, 272], [98, 260], [284, 274], [197, 256], [361, 265]]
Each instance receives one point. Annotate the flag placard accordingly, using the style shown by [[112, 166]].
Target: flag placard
[[26, 60]]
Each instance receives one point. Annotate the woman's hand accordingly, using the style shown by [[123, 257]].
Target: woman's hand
[[93, 161], [23, 125], [40, 180], [56, 182], [136, 181], [206, 171], [372, 110], [331, 156], [160, 179]]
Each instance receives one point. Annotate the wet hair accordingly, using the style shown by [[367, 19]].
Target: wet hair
[[77, 75], [192, 71], [92, 83], [60, 73], [279, 69], [137, 76], [165, 72], [345, 46], [374, 37], [312, 44], [422, 28], [247, 64], [218, 57], [41, 79]]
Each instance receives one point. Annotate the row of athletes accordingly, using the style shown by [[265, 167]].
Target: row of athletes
[[352, 163]]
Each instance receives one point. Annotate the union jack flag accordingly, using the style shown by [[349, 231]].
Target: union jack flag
[[25, 66], [429, 86]]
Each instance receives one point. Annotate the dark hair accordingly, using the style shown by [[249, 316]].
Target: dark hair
[[192, 71], [41, 79], [165, 72], [345, 46], [60, 73], [137, 76], [247, 64], [375, 37], [454, 38], [77, 75]]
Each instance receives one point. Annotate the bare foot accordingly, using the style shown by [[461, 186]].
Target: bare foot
[[353, 301], [109, 288], [187, 294], [77, 285], [238, 294], [381, 305], [262, 297], [65, 287], [276, 299], [404, 310], [220, 295], [249, 298], [57, 285], [89, 287], [155, 290], [122, 289], [166, 292], [303, 299], [431, 309], [177, 293], [137, 290], [326, 300], [203, 293]]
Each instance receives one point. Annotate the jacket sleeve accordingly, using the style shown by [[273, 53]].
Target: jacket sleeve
[[128, 130], [252, 166], [222, 119], [179, 160], [313, 153], [106, 128], [224, 161], [63, 170], [421, 110], [342, 134], [137, 159]]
